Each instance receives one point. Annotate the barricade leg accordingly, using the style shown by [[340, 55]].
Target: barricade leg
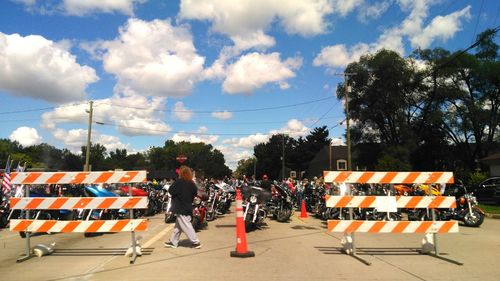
[[28, 253]]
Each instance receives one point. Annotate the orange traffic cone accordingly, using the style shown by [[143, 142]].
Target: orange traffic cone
[[303, 211], [241, 239]]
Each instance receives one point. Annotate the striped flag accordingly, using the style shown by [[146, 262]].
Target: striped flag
[[6, 184]]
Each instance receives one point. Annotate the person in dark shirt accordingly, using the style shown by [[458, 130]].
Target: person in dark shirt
[[265, 183], [183, 192]]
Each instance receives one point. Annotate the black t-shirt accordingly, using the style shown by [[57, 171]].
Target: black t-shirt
[[266, 185], [183, 193]]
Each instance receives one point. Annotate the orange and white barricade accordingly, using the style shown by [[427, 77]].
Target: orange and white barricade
[[391, 204], [28, 204]]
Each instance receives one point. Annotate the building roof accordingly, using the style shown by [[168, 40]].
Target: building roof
[[492, 159]]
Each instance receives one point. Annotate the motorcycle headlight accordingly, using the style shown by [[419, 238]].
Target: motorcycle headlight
[[197, 200], [253, 199]]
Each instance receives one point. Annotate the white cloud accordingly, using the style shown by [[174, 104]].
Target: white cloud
[[181, 112], [81, 8], [247, 142], [294, 128], [343, 7], [374, 11], [441, 27], [76, 138], [254, 70], [232, 155], [152, 59], [222, 115], [25, 136], [133, 114], [244, 18], [339, 56], [52, 72], [337, 141], [201, 135]]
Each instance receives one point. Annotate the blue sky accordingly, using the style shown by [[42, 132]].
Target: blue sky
[[228, 73]]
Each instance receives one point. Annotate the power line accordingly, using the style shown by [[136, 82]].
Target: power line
[[175, 132], [227, 123], [477, 21], [233, 111], [38, 109]]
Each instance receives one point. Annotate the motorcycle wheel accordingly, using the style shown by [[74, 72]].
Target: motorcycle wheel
[[169, 218], [474, 220], [249, 225], [284, 215], [195, 222], [211, 215], [3, 221]]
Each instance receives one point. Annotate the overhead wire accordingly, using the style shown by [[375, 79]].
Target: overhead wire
[[211, 111]]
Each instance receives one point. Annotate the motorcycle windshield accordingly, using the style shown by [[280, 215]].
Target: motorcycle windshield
[[261, 194]]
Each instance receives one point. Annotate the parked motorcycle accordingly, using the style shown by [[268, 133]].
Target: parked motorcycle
[[4, 212], [199, 219], [281, 203], [254, 199], [467, 210]]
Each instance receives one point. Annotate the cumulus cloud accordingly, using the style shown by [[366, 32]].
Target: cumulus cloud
[[374, 11], [151, 58], [247, 142], [412, 28], [201, 135], [294, 128], [76, 138], [52, 72], [181, 112], [132, 114], [232, 155], [343, 7], [222, 115], [337, 141], [254, 70], [245, 18], [81, 8], [26, 136], [441, 28], [339, 56]]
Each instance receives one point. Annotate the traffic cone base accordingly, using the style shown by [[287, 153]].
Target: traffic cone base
[[303, 211], [248, 254]]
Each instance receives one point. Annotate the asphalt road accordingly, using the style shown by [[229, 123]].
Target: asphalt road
[[298, 250]]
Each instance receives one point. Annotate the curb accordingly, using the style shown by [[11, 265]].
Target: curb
[[493, 216]]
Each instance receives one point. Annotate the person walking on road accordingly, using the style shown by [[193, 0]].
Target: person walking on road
[[183, 192]]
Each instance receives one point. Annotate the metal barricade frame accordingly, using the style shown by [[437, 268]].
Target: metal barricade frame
[[28, 203], [349, 227]]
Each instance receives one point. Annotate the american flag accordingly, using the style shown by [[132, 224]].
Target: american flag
[[6, 184]]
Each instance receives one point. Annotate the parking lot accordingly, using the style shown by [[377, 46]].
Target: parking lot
[[298, 250]]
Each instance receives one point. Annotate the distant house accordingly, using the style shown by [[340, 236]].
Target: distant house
[[493, 161], [330, 158]]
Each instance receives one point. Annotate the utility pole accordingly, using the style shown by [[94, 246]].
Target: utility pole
[[283, 158], [347, 90], [87, 154]]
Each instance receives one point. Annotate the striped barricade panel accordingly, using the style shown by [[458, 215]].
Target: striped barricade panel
[[350, 226], [70, 203], [77, 177], [55, 226], [405, 202], [388, 177]]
